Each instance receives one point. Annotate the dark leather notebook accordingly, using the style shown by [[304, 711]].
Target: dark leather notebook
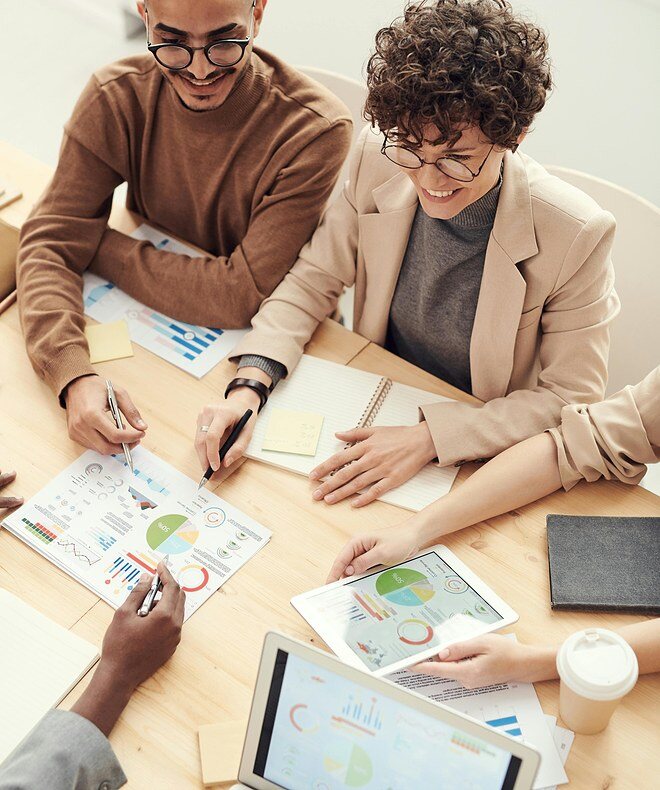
[[604, 563]]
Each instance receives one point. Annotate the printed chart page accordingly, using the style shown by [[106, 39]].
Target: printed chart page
[[510, 708], [105, 527], [195, 349], [331, 732]]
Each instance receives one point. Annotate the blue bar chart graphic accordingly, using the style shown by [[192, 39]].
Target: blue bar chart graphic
[[103, 539], [508, 724], [185, 339], [122, 575]]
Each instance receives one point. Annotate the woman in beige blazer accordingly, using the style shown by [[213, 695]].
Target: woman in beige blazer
[[614, 439], [539, 337]]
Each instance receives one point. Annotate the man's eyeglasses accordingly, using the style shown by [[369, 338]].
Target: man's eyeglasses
[[226, 52], [406, 157]]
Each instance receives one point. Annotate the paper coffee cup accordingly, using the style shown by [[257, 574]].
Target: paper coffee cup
[[596, 668]]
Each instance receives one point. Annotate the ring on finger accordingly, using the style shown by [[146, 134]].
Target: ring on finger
[[204, 428]]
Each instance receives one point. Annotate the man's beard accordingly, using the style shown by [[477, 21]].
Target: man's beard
[[171, 78]]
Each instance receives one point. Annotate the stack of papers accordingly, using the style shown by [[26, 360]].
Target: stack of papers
[[510, 708]]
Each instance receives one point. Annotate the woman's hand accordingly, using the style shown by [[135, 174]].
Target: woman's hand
[[9, 501], [381, 459], [489, 659], [216, 421], [386, 546]]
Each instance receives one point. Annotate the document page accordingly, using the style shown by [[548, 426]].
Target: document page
[[511, 708], [105, 526]]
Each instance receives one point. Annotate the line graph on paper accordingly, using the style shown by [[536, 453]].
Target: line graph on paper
[[82, 553]]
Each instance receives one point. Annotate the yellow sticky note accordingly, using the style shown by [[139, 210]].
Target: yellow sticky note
[[108, 341], [220, 748], [293, 432]]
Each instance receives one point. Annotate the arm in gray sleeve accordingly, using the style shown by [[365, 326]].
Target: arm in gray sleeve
[[63, 752], [275, 370]]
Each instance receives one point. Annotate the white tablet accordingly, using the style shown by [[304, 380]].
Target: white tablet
[[395, 617]]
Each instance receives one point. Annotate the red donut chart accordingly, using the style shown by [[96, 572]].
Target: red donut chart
[[415, 632], [191, 586]]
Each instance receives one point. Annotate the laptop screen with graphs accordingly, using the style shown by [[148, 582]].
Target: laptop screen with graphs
[[324, 730]]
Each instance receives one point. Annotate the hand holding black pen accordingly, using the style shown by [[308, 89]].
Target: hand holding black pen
[[226, 447]]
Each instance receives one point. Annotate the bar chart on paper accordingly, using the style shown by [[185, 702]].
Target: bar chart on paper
[[195, 349]]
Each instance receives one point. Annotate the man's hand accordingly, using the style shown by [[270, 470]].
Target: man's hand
[[491, 658], [381, 459], [9, 501], [89, 419], [216, 421], [386, 546], [133, 649]]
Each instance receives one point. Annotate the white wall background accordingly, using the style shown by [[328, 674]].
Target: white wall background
[[604, 115], [603, 118]]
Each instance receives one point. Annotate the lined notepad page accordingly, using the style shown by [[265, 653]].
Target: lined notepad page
[[342, 394], [339, 393], [40, 662], [401, 407]]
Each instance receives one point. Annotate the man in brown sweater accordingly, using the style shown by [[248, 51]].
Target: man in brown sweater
[[221, 144]]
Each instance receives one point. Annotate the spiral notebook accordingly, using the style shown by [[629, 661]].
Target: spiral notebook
[[349, 398]]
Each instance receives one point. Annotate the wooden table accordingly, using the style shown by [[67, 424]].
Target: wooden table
[[211, 676]]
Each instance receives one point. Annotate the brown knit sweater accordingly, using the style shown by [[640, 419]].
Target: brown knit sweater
[[246, 182]]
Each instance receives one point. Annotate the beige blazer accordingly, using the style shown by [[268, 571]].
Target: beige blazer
[[613, 439], [541, 332]]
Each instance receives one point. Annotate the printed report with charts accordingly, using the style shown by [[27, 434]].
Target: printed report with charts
[[105, 526]]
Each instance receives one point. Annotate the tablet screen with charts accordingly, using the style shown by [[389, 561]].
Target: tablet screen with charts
[[393, 618]]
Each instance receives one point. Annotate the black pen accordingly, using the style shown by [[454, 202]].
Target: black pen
[[226, 447]]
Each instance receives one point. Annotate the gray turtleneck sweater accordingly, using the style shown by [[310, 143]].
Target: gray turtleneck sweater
[[435, 300], [436, 296]]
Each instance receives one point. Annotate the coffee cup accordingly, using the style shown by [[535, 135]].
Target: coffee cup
[[597, 668]]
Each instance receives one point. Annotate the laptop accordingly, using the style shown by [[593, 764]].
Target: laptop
[[319, 724]]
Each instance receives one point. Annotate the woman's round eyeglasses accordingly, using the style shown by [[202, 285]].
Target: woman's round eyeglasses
[[411, 160]]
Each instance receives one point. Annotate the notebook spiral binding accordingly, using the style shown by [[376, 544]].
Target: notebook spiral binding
[[372, 408]]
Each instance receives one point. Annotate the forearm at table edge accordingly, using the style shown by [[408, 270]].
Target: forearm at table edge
[[467, 432], [53, 329], [217, 292]]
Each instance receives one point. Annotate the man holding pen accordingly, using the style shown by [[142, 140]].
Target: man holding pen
[[69, 750]]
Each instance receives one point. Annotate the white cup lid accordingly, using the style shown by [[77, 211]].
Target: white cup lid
[[597, 664]]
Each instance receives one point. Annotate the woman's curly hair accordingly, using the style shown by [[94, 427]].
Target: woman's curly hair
[[458, 63]]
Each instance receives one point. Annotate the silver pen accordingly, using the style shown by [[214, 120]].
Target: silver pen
[[116, 416], [149, 598]]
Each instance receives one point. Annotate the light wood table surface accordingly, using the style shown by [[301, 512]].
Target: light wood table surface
[[211, 676]]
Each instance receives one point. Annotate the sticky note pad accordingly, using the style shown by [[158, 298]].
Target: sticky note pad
[[108, 341], [220, 749], [293, 432]]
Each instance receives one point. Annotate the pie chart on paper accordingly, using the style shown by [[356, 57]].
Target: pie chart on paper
[[172, 534], [404, 587]]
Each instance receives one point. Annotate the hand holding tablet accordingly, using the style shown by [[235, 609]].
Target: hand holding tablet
[[396, 617]]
